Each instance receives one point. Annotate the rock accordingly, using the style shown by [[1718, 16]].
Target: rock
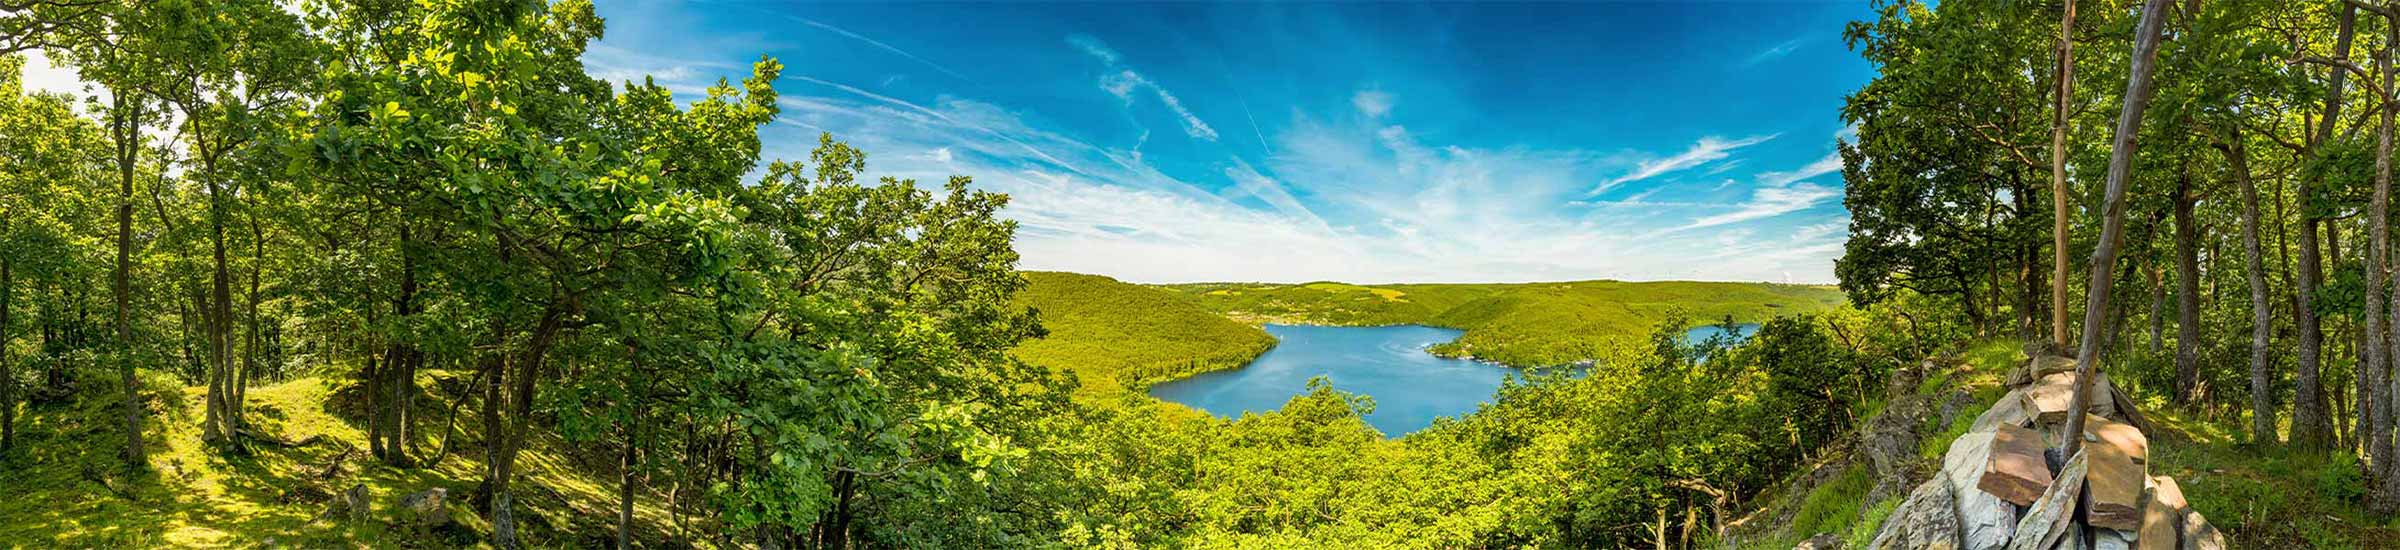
[[1823, 541], [2111, 539], [2113, 490], [1926, 520], [2049, 397], [2050, 517], [2198, 534], [429, 508], [2072, 540], [352, 503], [2016, 472], [2039, 367], [1890, 442], [1953, 403], [2124, 437], [2162, 516], [1984, 521], [2008, 411]]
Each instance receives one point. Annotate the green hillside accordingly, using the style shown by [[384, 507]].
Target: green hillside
[[1116, 335], [1525, 324]]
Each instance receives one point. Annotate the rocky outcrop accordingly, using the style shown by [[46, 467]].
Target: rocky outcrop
[[1927, 520], [2004, 485]]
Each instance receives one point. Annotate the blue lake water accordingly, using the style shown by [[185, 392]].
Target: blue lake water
[[1410, 387]]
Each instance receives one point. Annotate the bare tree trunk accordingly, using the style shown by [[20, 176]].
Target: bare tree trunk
[[2262, 314], [2158, 318], [2138, 89], [2060, 211], [125, 124], [2187, 293], [511, 437]]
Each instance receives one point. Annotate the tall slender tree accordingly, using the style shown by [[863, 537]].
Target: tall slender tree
[[2060, 210], [2138, 89]]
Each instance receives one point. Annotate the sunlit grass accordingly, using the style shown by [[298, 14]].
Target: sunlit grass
[[65, 486]]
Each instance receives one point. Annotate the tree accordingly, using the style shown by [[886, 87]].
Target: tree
[[2104, 255], [2059, 209]]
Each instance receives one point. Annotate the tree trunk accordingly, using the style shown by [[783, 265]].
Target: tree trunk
[[2310, 425], [2059, 210], [8, 375], [511, 437], [2187, 294], [2138, 89], [625, 465], [125, 124], [2158, 318], [2378, 438], [2262, 314]]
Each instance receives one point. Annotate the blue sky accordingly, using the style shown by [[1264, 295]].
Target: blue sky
[[1364, 143]]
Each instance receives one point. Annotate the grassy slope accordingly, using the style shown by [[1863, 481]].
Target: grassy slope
[[64, 487], [2261, 498], [1527, 324], [1116, 335]]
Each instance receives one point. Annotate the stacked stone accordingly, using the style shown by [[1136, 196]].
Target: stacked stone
[[2004, 485]]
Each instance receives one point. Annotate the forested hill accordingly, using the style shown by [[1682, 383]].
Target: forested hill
[[1112, 334], [1524, 324]]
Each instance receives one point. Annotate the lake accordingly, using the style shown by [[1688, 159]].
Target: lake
[[1410, 387]]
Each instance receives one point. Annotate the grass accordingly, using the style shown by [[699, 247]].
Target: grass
[[1835, 506], [1526, 324], [2272, 497], [66, 488], [1118, 337]]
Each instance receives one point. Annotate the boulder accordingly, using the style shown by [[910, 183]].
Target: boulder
[[1890, 442], [352, 504], [2198, 534], [2008, 411], [2072, 540], [2049, 397], [1823, 541], [2039, 367], [1984, 521], [2124, 437], [428, 508], [2052, 516], [2113, 489], [2162, 516], [1926, 520], [2111, 539], [2016, 471]]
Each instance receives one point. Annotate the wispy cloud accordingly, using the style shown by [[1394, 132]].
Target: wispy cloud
[[1773, 52], [1830, 163], [1373, 103], [1708, 149], [880, 45], [1125, 81], [1767, 202]]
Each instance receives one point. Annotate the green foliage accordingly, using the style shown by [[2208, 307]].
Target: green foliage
[[1834, 506]]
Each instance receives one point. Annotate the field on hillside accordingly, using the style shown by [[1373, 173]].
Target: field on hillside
[[1526, 324], [1116, 336]]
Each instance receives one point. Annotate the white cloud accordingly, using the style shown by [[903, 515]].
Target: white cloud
[[1830, 163], [1708, 149], [942, 155], [1373, 103], [1125, 81], [1773, 52], [1768, 202], [1341, 199], [885, 47]]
